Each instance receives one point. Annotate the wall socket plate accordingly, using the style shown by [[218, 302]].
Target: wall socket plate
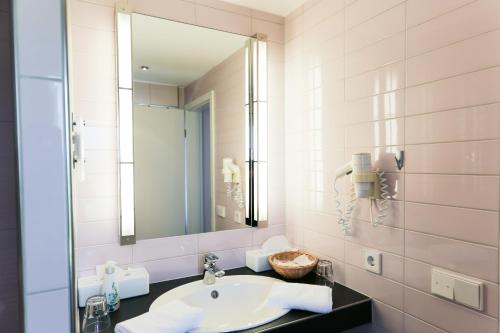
[[220, 210], [373, 261]]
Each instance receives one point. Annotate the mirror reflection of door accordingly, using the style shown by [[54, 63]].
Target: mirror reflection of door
[[198, 150]]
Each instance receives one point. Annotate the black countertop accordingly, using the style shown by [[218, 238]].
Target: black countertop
[[350, 308]]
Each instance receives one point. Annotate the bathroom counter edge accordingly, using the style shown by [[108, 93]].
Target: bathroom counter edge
[[350, 308]]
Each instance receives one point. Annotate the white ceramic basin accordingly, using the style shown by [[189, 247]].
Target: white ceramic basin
[[240, 304]]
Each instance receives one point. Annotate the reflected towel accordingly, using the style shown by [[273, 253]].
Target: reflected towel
[[299, 296], [173, 317]]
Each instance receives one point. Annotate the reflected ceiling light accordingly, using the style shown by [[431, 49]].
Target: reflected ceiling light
[[145, 68]]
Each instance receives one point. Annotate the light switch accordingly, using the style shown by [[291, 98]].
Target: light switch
[[442, 284], [468, 293], [459, 289]]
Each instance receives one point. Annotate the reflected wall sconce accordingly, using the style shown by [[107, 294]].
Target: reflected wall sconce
[[256, 165], [125, 120]]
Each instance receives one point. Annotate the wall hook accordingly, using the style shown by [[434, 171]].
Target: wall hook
[[400, 159]]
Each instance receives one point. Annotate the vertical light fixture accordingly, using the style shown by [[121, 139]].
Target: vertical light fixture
[[261, 129], [125, 123], [248, 135], [257, 131]]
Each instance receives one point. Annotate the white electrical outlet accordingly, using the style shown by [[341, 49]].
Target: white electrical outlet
[[221, 211], [237, 216], [373, 261]]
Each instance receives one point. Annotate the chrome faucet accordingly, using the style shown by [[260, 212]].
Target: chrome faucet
[[211, 269]]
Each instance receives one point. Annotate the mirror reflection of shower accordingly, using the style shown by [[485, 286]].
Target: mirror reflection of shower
[[172, 144]]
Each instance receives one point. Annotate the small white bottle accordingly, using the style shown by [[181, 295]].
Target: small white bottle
[[110, 288]]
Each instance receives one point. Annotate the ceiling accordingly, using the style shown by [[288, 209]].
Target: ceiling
[[178, 53], [277, 7]]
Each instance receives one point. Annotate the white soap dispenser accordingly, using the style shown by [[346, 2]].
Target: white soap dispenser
[[110, 287]]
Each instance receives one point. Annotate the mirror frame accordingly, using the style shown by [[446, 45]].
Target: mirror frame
[[256, 126]]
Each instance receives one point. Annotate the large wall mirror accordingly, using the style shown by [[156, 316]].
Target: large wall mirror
[[192, 128]]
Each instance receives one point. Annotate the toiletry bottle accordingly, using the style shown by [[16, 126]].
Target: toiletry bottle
[[110, 288]]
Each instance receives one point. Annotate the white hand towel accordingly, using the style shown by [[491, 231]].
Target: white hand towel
[[173, 317], [299, 296]]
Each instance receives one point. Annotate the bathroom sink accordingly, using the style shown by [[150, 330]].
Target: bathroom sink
[[233, 303]]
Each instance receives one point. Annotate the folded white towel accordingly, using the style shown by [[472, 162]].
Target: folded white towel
[[301, 296], [173, 317]]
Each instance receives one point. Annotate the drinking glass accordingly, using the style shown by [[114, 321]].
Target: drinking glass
[[96, 317], [324, 269]]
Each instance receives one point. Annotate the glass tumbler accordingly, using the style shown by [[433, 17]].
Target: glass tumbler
[[96, 317], [324, 269]]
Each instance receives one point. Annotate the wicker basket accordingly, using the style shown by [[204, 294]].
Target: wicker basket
[[291, 272]]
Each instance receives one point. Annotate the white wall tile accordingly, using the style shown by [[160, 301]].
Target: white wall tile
[[44, 185], [90, 40], [380, 27], [96, 233], [42, 309], [466, 56], [444, 314], [177, 10], [91, 15], [382, 53], [321, 10], [171, 268], [159, 248], [223, 240], [464, 22], [91, 256], [363, 10], [476, 88], [222, 20], [226, 6], [260, 235], [97, 209], [39, 35], [385, 79], [420, 11]]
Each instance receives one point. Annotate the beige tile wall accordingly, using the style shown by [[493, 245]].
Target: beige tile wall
[[361, 75], [93, 81], [382, 76]]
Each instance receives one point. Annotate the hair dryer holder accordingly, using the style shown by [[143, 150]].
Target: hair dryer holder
[[367, 184]]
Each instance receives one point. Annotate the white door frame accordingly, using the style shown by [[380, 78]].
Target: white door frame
[[208, 98]]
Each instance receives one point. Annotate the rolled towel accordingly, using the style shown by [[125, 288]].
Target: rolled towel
[[173, 317], [299, 296]]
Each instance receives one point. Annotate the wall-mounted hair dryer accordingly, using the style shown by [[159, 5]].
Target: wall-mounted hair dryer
[[231, 171], [367, 184], [232, 178]]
